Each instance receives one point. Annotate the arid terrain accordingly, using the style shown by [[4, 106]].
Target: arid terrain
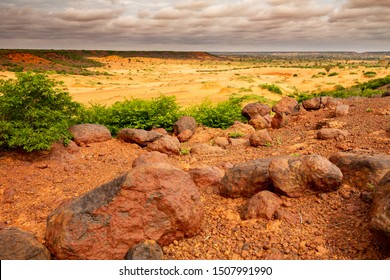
[[333, 225]]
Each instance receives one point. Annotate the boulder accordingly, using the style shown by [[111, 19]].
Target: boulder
[[239, 142], [246, 179], [185, 135], [380, 211], [362, 171], [208, 179], [167, 144], [221, 142], [239, 127], [341, 110], [253, 110], [152, 202], [312, 103], [149, 158], [138, 136], [332, 133], [297, 176], [205, 149], [260, 138], [279, 120], [89, 133], [259, 122], [262, 205], [287, 105], [329, 102], [17, 244], [184, 123], [146, 250]]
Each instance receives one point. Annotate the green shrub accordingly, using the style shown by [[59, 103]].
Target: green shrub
[[272, 88], [333, 74], [221, 115], [34, 112], [135, 113], [369, 74], [236, 134]]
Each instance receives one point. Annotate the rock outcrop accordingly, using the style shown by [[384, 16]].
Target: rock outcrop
[[157, 202]]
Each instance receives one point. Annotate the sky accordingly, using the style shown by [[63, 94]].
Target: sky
[[197, 25]]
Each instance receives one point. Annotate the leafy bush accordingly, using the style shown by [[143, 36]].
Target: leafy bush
[[221, 115], [369, 74], [333, 74], [135, 113], [272, 88], [34, 112]]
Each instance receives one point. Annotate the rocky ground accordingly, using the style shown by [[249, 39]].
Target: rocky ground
[[333, 225]]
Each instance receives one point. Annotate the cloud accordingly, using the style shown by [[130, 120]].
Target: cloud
[[72, 14], [367, 4], [194, 24]]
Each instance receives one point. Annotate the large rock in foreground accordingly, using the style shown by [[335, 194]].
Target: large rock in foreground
[[89, 133], [157, 202], [362, 171], [380, 215], [16, 244], [297, 176]]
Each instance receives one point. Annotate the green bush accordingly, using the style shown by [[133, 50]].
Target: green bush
[[34, 112], [221, 115], [135, 113], [369, 74], [272, 88], [333, 74]]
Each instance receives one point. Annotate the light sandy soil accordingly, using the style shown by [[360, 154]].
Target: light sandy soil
[[192, 81]]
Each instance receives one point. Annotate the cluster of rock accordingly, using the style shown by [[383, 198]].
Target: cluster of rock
[[155, 203]]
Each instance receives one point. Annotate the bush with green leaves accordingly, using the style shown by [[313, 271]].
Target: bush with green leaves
[[34, 112], [221, 115], [162, 112], [272, 88]]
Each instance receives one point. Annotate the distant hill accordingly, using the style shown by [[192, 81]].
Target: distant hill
[[76, 61]]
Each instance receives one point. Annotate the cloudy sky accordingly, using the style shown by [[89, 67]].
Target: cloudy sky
[[214, 25]]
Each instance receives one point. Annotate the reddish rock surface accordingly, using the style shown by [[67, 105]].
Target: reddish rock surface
[[17, 244], [297, 176], [286, 105], [380, 213], [362, 171], [208, 179], [150, 202], [262, 205], [185, 135], [184, 123], [138, 136], [279, 120], [332, 133], [246, 179], [89, 133], [146, 250], [167, 145], [260, 138], [253, 110]]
